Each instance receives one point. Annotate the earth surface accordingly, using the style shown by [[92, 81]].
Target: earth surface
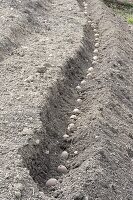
[[47, 49]]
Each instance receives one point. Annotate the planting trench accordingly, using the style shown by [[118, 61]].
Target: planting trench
[[43, 159], [103, 135], [103, 141]]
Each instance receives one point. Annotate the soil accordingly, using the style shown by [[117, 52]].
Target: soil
[[46, 48]]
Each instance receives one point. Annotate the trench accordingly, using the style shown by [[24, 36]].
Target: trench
[[43, 159]]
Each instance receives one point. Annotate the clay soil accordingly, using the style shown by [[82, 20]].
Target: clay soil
[[46, 49]]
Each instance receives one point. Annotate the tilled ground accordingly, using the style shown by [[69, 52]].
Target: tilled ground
[[46, 49]]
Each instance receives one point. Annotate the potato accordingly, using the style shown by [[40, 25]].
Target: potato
[[51, 182], [62, 169]]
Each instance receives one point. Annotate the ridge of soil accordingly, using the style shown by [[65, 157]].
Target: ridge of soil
[[102, 169]]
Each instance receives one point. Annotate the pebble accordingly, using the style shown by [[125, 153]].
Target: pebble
[[19, 156], [62, 169], [18, 177], [41, 194], [96, 39], [79, 101], [76, 111], [79, 196], [64, 155], [89, 21], [97, 45], [51, 182], [27, 131], [18, 186], [18, 162], [41, 70]]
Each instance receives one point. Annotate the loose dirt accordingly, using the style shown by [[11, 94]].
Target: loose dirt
[[46, 49]]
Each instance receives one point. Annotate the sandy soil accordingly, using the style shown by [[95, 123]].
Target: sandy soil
[[46, 48]]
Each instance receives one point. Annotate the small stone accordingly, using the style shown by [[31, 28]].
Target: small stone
[[78, 196], [18, 186], [27, 131], [51, 182], [62, 169], [95, 58], [79, 101], [64, 155], [7, 175], [19, 156], [85, 12], [18, 177], [17, 194], [83, 82], [78, 88], [97, 45], [96, 39], [41, 194], [90, 69], [73, 117], [89, 21], [18, 162], [57, 193], [76, 111], [41, 70]]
